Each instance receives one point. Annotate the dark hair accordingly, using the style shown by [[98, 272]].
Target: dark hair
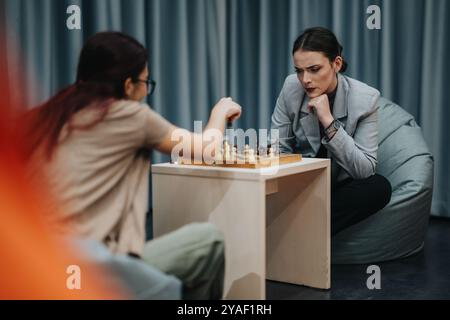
[[320, 40], [106, 61]]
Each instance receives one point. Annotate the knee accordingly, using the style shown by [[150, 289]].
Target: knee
[[383, 190], [211, 239], [210, 236], [207, 231]]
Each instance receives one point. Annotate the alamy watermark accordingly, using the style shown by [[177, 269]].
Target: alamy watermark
[[73, 21], [374, 20], [207, 147], [374, 280], [73, 281]]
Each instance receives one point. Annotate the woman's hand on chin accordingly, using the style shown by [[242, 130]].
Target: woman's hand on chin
[[322, 107]]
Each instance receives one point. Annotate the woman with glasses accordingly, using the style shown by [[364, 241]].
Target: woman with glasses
[[322, 113], [93, 140]]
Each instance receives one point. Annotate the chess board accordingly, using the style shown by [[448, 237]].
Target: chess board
[[254, 163]]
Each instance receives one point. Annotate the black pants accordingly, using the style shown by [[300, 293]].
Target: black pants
[[355, 200]]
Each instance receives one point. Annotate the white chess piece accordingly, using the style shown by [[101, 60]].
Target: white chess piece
[[227, 151], [218, 159], [234, 154], [226, 145], [246, 153], [271, 153], [262, 152], [251, 156]]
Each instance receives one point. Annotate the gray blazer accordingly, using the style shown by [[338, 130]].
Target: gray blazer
[[353, 149]]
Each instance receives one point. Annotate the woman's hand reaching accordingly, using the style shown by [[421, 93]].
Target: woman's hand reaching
[[227, 109]]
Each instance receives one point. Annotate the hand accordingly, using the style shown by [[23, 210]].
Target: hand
[[227, 109], [322, 107]]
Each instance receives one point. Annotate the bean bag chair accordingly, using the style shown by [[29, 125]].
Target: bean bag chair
[[398, 230]]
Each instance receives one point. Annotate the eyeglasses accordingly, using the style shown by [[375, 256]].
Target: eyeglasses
[[151, 84]]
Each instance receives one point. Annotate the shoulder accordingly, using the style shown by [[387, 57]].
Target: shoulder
[[359, 88], [292, 85], [127, 108], [142, 118], [292, 91], [360, 95], [136, 110]]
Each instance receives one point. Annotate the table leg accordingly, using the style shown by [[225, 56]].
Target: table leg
[[298, 229], [237, 207]]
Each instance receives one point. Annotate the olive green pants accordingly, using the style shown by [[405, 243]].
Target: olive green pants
[[195, 255]]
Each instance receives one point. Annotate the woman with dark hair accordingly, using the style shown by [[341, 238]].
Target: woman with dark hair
[[322, 113], [93, 140]]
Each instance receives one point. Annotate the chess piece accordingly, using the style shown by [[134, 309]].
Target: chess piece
[[234, 154], [226, 146], [271, 153], [246, 152], [218, 159], [262, 151], [251, 156], [226, 151]]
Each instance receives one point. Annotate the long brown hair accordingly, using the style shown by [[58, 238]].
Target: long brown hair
[[106, 61]]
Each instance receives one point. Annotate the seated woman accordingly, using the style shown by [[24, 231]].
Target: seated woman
[[93, 140], [322, 113]]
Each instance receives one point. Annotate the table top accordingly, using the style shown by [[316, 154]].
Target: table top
[[306, 164]]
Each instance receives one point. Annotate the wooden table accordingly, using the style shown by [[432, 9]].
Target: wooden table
[[276, 221]]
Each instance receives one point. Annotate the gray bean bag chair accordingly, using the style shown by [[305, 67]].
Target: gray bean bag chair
[[399, 229]]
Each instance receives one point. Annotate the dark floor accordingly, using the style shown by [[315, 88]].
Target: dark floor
[[426, 275]]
